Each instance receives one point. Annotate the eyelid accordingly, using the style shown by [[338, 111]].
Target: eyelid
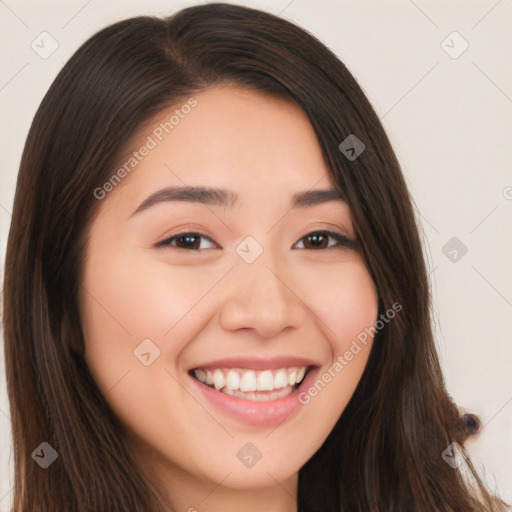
[[343, 240], [166, 241]]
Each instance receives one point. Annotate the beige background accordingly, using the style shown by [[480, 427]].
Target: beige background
[[450, 120]]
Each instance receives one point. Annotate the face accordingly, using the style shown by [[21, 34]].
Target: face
[[220, 326]]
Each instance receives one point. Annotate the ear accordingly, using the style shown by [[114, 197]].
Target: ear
[[71, 332]]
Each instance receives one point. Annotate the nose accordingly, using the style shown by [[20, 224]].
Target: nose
[[262, 298]]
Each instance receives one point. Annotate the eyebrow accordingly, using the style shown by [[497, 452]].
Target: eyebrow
[[228, 198]]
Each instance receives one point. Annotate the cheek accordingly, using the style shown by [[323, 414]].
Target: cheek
[[348, 303], [125, 301], [132, 307], [348, 306], [130, 297]]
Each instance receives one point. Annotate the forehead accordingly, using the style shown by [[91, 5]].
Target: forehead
[[232, 138]]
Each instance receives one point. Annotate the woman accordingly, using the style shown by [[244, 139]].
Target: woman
[[268, 349]]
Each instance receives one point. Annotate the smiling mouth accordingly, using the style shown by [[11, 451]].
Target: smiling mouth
[[260, 386]]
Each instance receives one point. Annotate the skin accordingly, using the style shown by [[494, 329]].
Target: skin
[[199, 305]]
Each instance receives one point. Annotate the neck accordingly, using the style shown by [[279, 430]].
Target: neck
[[207, 496]]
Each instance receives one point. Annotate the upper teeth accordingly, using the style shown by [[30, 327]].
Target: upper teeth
[[251, 380]]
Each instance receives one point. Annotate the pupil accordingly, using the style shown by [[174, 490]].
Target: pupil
[[318, 240], [189, 241]]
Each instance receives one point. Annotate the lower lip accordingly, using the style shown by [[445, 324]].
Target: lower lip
[[261, 414]]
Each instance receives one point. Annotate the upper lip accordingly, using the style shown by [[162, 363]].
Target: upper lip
[[258, 362]]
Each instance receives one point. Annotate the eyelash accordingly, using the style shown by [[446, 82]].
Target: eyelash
[[342, 241]]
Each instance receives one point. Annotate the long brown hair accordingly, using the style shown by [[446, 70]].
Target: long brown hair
[[384, 454]]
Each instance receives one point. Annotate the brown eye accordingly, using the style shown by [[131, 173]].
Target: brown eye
[[321, 240], [317, 241], [188, 241]]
